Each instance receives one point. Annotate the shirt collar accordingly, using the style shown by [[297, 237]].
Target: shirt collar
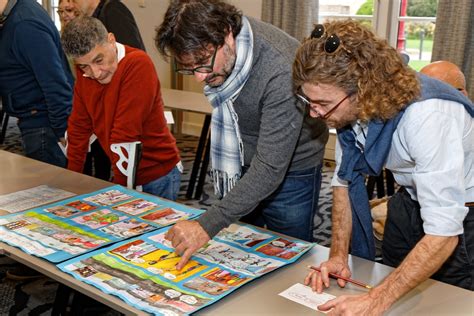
[[120, 51]]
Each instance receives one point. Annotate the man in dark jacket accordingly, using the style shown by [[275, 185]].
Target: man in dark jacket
[[117, 19], [35, 81]]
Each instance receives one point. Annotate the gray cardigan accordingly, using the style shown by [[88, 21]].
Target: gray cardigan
[[277, 136]]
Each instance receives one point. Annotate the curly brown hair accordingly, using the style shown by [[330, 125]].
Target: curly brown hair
[[364, 64]]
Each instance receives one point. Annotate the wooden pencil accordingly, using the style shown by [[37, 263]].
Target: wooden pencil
[[337, 276]]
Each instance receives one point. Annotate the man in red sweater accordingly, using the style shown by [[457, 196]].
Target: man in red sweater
[[117, 97]]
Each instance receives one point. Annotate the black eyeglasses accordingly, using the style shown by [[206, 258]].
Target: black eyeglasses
[[332, 43], [203, 69], [307, 102]]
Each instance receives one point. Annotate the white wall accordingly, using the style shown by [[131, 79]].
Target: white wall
[[148, 18]]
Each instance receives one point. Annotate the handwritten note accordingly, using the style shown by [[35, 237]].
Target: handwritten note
[[303, 295]]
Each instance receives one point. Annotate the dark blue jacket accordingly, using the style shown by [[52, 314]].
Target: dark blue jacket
[[35, 80], [355, 164]]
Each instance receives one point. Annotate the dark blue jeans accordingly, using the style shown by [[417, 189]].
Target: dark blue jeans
[[42, 144], [291, 208], [166, 187]]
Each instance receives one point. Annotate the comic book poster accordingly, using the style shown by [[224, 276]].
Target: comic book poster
[[65, 229], [141, 271]]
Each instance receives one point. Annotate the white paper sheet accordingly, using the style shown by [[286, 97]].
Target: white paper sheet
[[303, 295], [26, 199]]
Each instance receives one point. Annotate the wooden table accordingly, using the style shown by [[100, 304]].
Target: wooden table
[[20, 173], [259, 297], [193, 102]]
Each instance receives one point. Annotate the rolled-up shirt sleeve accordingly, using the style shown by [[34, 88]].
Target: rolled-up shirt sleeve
[[435, 143], [336, 181]]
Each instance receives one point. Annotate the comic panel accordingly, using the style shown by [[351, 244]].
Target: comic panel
[[157, 261], [81, 206], [108, 197], [243, 236], [128, 228], [99, 218], [165, 216], [237, 259], [217, 281], [62, 211], [283, 248], [136, 207]]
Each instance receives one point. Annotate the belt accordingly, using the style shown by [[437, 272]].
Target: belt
[[470, 204]]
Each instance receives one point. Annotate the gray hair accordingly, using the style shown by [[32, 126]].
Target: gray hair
[[82, 35]]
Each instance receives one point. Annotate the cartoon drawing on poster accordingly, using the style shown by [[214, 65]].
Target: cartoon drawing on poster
[[62, 211], [283, 248], [108, 197], [165, 216], [242, 235], [64, 229], [142, 270], [136, 207], [82, 206], [99, 218], [127, 228]]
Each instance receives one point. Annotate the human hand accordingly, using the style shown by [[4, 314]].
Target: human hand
[[353, 305], [186, 237], [336, 265]]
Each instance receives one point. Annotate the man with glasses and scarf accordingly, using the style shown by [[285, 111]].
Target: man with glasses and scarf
[[266, 155], [419, 128]]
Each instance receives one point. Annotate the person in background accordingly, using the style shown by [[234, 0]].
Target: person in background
[[447, 72], [107, 104], [35, 86], [118, 20], [67, 11], [35, 81], [419, 128], [266, 155]]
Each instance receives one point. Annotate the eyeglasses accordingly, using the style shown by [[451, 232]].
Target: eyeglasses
[[66, 11], [203, 69], [307, 101], [332, 43]]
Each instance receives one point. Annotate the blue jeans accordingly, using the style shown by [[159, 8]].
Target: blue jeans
[[167, 186], [291, 208], [42, 144]]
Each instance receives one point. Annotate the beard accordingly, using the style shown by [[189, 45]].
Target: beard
[[218, 78]]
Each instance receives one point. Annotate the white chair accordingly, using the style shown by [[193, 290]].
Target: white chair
[[129, 157]]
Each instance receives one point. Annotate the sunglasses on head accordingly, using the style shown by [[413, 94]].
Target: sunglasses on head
[[332, 43]]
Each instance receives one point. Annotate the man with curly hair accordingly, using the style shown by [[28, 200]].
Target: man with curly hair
[[266, 156], [419, 128]]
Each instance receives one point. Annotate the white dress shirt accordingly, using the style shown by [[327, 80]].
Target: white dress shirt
[[432, 156]]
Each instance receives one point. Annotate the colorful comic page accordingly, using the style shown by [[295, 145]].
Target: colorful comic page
[[141, 271], [65, 229], [165, 216]]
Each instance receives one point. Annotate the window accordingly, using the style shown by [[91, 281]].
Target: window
[[408, 25]]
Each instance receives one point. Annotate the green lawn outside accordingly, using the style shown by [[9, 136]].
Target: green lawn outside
[[415, 44], [418, 64]]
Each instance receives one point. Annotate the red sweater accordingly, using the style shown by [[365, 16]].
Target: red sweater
[[127, 109]]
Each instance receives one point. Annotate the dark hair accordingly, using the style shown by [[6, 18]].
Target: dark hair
[[82, 35], [189, 26], [366, 65]]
